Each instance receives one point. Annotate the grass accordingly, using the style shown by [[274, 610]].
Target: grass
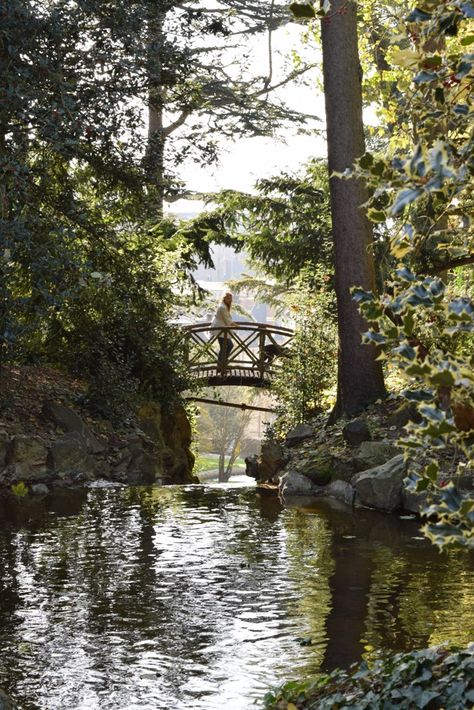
[[206, 462]]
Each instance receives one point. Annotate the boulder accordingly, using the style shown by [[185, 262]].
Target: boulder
[[4, 442], [27, 456], [6, 703], [293, 483], [39, 489], [319, 476], [412, 502], [381, 487], [272, 459], [143, 468], [298, 434], [340, 490], [149, 418], [70, 422], [69, 453], [252, 467], [356, 432], [374, 453], [406, 412], [28, 449]]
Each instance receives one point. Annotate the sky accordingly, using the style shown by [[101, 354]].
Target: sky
[[245, 161]]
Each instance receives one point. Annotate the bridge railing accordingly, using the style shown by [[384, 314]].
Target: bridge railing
[[255, 354]]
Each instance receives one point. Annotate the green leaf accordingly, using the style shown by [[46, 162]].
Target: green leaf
[[444, 378], [419, 395], [405, 351], [376, 215], [366, 161], [408, 323], [424, 77], [405, 198], [467, 40], [405, 274], [418, 15], [434, 61], [302, 10], [468, 9]]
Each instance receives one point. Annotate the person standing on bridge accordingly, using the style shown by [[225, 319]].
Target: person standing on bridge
[[223, 319]]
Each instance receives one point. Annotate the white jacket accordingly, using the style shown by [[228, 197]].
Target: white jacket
[[222, 318]]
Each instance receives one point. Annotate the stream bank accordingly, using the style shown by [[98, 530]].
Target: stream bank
[[357, 461], [48, 438]]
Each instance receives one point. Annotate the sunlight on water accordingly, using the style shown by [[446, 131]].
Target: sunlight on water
[[203, 597]]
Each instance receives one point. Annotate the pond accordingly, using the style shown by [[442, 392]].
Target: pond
[[203, 597]]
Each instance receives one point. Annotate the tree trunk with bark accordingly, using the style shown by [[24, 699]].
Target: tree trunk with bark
[[360, 377]]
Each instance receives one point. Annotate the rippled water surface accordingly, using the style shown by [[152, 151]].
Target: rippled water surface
[[203, 597]]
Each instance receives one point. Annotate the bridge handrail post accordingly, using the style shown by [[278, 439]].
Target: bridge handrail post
[[226, 351], [261, 353]]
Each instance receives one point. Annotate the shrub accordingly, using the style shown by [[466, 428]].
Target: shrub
[[433, 678]]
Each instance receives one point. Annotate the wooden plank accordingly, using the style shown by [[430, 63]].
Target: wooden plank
[[229, 404]]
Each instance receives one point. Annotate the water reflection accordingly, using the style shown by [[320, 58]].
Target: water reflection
[[204, 596]]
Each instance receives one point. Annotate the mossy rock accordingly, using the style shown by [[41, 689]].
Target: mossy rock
[[318, 469]]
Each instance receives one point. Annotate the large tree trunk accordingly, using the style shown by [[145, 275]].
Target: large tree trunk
[[360, 378]]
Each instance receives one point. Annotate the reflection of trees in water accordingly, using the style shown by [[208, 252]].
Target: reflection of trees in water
[[385, 590], [195, 583], [418, 598], [311, 566]]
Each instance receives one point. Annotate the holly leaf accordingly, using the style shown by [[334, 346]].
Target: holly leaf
[[302, 10]]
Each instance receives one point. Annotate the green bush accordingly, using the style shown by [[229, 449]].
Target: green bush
[[433, 678], [308, 374]]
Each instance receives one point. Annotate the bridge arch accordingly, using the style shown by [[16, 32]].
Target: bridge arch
[[253, 361]]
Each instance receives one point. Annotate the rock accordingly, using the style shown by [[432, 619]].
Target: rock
[[342, 469], [374, 453], [293, 483], [341, 490], [69, 421], [6, 703], [27, 458], [28, 449], [406, 412], [64, 417], [149, 417], [298, 434], [39, 489], [272, 459], [143, 469], [4, 444], [412, 502], [321, 477], [381, 487], [69, 453], [356, 432], [252, 467]]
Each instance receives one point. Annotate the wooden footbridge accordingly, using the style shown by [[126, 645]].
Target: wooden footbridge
[[255, 356]]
